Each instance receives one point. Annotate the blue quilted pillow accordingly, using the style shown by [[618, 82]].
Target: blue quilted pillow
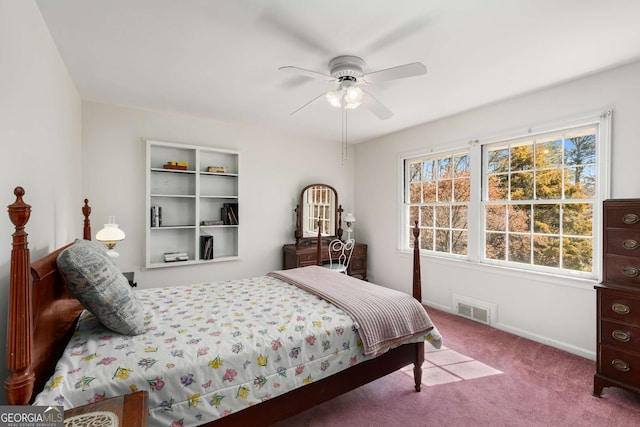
[[95, 280]]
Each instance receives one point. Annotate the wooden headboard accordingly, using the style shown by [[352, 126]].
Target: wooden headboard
[[54, 311]]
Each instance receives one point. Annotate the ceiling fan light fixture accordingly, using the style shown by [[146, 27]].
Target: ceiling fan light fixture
[[334, 99], [353, 95]]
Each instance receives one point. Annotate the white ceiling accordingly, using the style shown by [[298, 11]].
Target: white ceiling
[[219, 59]]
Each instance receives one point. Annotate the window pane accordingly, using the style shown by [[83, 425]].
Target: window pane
[[459, 242], [414, 192], [462, 165], [495, 246], [549, 184], [498, 187], [577, 219], [445, 190], [546, 251], [444, 168], [459, 216], [462, 189], [522, 186], [577, 254], [520, 248], [498, 160], [427, 216], [546, 219], [429, 191], [520, 218], [580, 147], [548, 153], [442, 217], [580, 182], [496, 218], [427, 170], [426, 239], [522, 157], [413, 215], [442, 240]]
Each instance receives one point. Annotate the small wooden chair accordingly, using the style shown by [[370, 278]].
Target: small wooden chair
[[340, 255]]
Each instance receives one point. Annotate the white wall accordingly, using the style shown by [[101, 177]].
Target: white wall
[[533, 306], [40, 129], [273, 170]]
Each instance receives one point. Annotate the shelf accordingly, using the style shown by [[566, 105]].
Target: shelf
[[189, 197]]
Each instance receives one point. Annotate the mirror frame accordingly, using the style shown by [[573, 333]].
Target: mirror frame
[[300, 215]]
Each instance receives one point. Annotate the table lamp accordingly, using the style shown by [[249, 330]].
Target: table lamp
[[110, 235], [349, 219]]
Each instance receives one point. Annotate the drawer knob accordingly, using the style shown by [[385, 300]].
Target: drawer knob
[[620, 308], [620, 365], [622, 336], [630, 244], [630, 218], [630, 271]]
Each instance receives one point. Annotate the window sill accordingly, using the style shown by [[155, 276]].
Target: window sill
[[539, 276]]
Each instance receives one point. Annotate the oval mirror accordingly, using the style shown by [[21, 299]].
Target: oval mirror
[[318, 208]]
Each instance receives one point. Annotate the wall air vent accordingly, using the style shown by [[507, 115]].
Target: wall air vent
[[480, 311]]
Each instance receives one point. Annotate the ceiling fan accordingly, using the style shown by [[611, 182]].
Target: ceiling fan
[[349, 72]]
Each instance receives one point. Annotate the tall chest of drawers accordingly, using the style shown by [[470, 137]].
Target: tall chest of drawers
[[618, 299]]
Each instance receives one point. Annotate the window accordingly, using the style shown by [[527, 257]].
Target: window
[[530, 202], [439, 194]]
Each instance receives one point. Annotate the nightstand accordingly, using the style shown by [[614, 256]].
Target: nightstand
[[131, 410]]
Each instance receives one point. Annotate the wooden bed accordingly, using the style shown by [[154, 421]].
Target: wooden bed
[[42, 316]]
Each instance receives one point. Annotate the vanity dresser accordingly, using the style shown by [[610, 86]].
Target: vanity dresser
[[618, 299], [319, 216]]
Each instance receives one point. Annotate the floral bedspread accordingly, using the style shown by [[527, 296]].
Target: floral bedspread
[[210, 350]]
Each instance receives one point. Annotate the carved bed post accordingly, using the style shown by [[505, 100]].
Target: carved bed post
[[19, 385], [339, 229], [319, 244], [417, 294], [86, 211]]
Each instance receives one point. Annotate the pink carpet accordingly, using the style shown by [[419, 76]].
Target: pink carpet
[[508, 381]]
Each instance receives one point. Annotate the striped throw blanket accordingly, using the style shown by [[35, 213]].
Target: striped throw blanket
[[385, 317]]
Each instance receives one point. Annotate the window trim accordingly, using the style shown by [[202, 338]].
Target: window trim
[[476, 213]]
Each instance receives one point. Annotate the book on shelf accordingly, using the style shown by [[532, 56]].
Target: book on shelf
[[206, 246], [229, 213], [156, 216], [217, 169], [184, 164], [212, 222], [175, 167], [175, 256]]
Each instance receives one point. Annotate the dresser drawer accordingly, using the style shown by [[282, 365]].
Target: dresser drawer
[[305, 258], [627, 216], [625, 337], [619, 306], [622, 270], [620, 242], [360, 251], [619, 365]]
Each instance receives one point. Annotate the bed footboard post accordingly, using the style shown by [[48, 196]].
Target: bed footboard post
[[19, 385], [417, 282], [417, 294]]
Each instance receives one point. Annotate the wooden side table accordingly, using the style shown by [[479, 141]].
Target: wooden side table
[[131, 410]]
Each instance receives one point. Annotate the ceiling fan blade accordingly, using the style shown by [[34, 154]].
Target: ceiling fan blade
[[399, 72], [283, 23], [375, 106], [310, 102], [397, 34], [307, 73]]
